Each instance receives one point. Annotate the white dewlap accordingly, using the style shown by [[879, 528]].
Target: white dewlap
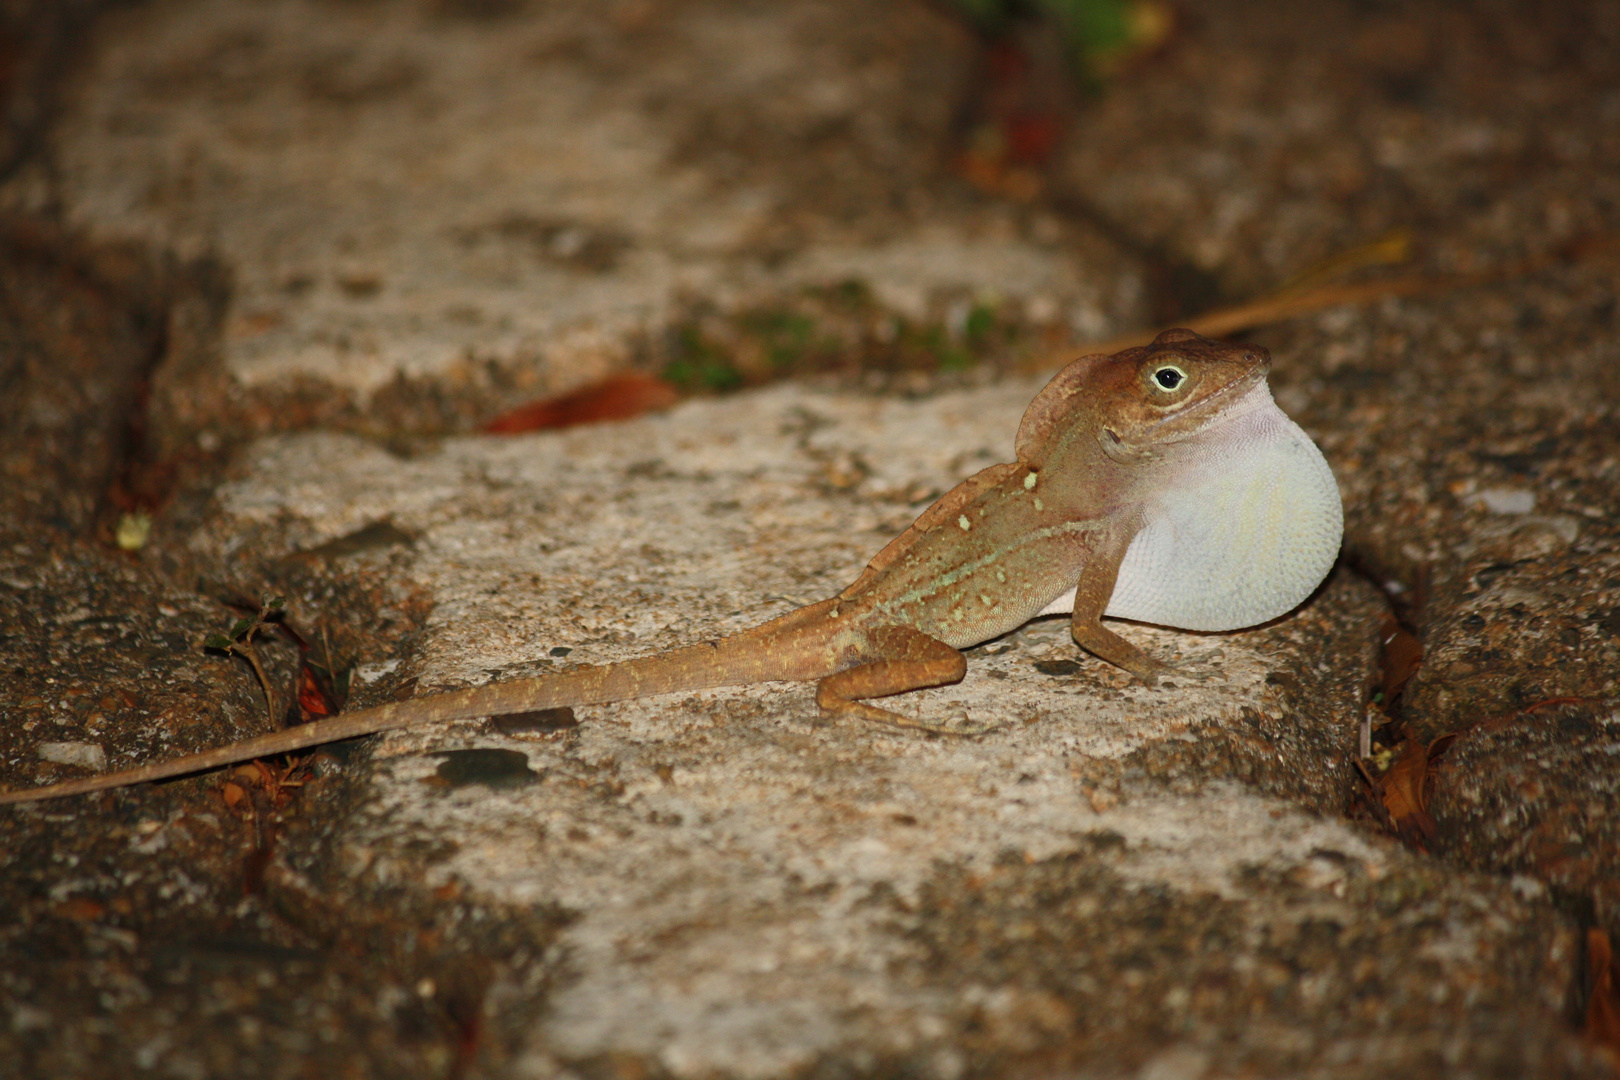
[[1248, 528]]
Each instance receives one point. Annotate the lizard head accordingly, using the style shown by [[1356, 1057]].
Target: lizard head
[[1170, 390], [1143, 398]]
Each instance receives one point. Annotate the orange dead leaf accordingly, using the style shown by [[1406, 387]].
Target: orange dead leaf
[[313, 700], [1402, 792], [1402, 655], [1603, 998], [81, 908], [617, 397], [280, 781], [992, 176], [233, 794]]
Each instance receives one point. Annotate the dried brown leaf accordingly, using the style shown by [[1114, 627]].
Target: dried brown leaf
[[1402, 655], [313, 700], [1402, 790], [617, 397], [1603, 998]]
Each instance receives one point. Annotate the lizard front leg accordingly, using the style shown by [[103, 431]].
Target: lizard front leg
[[1091, 596], [897, 659]]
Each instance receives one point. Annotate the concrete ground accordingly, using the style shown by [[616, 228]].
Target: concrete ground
[[268, 270]]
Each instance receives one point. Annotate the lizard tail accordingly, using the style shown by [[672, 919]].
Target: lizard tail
[[748, 657]]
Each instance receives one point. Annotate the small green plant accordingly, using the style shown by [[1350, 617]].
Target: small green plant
[[786, 335], [980, 323], [1098, 35], [238, 641], [948, 355], [699, 365]]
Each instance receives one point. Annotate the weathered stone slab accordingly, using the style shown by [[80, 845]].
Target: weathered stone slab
[[1485, 139], [1114, 882], [749, 888], [417, 190]]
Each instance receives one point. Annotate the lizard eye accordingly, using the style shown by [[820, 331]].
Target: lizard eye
[[1169, 377]]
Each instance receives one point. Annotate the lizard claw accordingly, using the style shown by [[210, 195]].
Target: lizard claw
[[1151, 671], [962, 726]]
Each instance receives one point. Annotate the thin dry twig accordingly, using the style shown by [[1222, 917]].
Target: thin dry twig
[[1302, 298], [239, 641]]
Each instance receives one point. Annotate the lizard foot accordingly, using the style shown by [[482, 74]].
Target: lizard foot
[[900, 659], [1107, 645]]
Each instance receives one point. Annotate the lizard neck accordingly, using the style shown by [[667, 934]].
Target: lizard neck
[[1243, 523]]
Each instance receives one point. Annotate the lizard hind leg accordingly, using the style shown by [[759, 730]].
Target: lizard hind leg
[[899, 658]]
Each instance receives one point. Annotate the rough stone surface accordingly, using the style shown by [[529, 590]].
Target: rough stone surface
[[81, 329], [1479, 463], [1480, 481], [750, 891], [98, 654], [248, 220], [1488, 133], [1533, 795], [415, 189]]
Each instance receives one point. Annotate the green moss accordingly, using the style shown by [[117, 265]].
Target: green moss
[[981, 322], [700, 365], [786, 335], [934, 347], [832, 328]]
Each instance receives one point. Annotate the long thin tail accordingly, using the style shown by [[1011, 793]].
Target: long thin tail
[[743, 658]]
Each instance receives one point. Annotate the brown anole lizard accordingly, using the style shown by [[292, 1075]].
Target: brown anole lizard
[[1160, 484]]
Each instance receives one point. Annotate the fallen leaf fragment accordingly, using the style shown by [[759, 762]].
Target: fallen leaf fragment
[[618, 397], [1402, 655], [81, 908], [1401, 791], [1603, 997], [313, 699], [1398, 797]]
